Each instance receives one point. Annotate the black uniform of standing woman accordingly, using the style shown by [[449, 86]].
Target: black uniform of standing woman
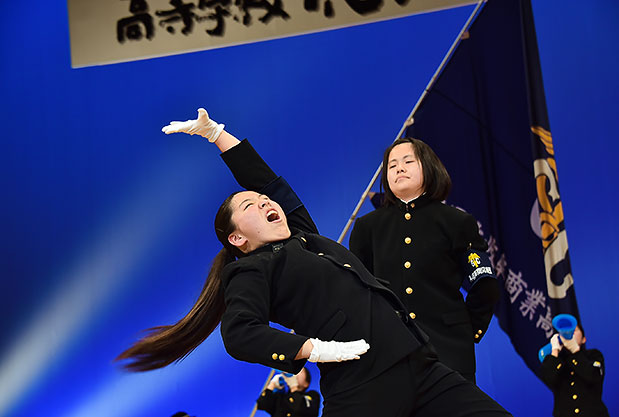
[[275, 267], [427, 250]]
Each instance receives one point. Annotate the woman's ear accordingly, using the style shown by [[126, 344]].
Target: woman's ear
[[236, 239]]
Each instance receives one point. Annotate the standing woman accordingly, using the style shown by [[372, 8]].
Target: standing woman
[[275, 267], [427, 250]]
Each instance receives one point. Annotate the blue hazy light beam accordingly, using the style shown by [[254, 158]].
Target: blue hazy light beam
[[99, 272]]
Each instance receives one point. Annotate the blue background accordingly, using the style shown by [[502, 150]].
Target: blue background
[[106, 223]]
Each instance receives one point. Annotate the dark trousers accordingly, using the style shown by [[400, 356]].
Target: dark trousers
[[417, 386]]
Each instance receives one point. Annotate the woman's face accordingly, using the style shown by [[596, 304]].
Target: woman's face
[[404, 172], [258, 221]]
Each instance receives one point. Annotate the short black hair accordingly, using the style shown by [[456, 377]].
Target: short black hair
[[436, 180]]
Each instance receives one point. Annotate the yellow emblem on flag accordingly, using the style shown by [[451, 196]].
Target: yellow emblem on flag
[[474, 259]]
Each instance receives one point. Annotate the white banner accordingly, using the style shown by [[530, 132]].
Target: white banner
[[110, 31]]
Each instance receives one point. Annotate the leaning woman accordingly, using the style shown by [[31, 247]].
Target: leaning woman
[[274, 266]]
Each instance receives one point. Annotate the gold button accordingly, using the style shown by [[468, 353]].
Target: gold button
[[559, 366], [572, 373], [407, 216], [412, 315], [291, 399], [572, 384], [288, 414], [303, 239], [574, 362], [264, 393], [476, 336], [577, 410], [274, 356], [479, 332], [407, 264], [347, 265], [282, 357], [320, 254], [409, 290], [574, 396], [407, 240], [412, 205]]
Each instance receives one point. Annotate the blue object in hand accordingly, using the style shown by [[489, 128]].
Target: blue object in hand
[[565, 324]]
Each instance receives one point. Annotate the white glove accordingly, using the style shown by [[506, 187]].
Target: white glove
[[202, 126], [571, 344], [275, 382], [337, 351], [554, 341]]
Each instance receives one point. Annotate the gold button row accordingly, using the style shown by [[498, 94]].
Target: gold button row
[[275, 357]]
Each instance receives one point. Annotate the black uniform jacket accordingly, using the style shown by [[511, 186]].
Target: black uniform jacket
[[289, 404], [422, 249], [576, 381], [310, 284]]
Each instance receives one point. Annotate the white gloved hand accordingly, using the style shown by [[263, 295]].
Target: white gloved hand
[[275, 383], [554, 341], [337, 351], [571, 344], [202, 126]]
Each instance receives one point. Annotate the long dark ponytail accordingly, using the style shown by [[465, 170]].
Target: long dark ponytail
[[166, 344]]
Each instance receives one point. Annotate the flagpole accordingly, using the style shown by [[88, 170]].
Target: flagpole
[[409, 120]]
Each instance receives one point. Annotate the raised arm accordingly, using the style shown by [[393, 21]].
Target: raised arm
[[248, 168]]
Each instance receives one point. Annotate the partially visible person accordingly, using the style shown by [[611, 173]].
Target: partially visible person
[[427, 251], [575, 376], [291, 398]]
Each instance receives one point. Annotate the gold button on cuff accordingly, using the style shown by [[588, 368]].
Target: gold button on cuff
[[577, 410], [274, 356], [476, 336], [408, 240], [347, 265], [282, 357], [409, 290], [407, 216], [479, 332], [574, 396], [412, 315], [407, 264]]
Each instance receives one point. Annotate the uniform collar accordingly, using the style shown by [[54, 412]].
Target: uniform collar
[[275, 247], [420, 201]]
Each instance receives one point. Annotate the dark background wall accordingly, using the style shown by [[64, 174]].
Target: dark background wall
[[106, 222]]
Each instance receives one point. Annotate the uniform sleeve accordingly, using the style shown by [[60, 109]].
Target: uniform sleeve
[[245, 328], [550, 371], [252, 173], [588, 365], [360, 244], [267, 401], [479, 279]]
